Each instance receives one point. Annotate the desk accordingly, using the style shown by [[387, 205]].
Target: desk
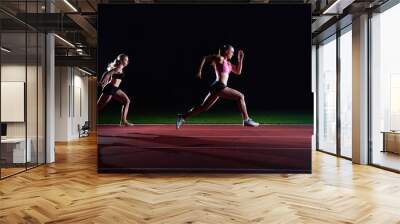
[[391, 141], [13, 150]]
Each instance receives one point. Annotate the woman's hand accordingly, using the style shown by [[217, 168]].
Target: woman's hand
[[103, 83], [237, 69], [240, 55], [198, 75]]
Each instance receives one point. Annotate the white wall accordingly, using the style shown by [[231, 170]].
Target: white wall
[[71, 102], [80, 100], [61, 103]]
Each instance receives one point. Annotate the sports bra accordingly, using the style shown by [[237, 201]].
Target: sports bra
[[118, 75], [225, 67]]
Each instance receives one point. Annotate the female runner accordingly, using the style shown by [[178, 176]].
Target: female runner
[[219, 88], [110, 81]]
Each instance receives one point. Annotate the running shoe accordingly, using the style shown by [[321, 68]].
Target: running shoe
[[125, 124], [250, 122], [179, 121]]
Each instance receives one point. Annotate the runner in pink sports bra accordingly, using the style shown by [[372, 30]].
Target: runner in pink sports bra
[[224, 67], [219, 88]]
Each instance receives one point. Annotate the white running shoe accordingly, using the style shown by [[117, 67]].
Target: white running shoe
[[126, 124], [250, 122], [179, 121]]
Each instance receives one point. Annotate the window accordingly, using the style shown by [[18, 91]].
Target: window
[[327, 95], [346, 93], [385, 88]]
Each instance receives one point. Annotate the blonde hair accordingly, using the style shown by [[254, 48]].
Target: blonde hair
[[116, 62]]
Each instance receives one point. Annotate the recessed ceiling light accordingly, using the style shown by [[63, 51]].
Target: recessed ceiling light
[[64, 40], [338, 6], [5, 50], [84, 71], [70, 5]]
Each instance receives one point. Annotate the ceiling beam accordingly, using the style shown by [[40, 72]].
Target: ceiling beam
[[80, 20], [86, 27]]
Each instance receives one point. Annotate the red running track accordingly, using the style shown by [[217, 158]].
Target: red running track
[[267, 148]]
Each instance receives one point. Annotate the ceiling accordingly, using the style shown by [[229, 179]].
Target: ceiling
[[74, 21]]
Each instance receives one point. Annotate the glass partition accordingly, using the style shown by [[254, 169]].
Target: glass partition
[[14, 153], [327, 95], [22, 90]]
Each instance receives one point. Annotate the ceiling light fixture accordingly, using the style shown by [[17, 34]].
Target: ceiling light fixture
[[84, 71], [338, 6], [65, 41], [70, 5], [5, 50]]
